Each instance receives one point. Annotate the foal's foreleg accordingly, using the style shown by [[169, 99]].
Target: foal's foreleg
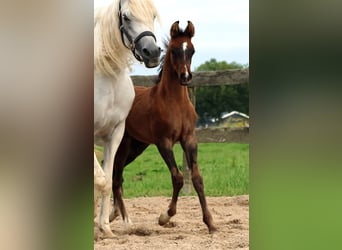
[[177, 182], [190, 149]]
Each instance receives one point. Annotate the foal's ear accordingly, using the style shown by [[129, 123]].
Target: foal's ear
[[190, 29], [174, 29]]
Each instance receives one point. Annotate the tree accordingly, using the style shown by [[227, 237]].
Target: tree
[[212, 101], [212, 65]]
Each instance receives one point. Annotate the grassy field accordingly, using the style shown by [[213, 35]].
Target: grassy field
[[224, 166]]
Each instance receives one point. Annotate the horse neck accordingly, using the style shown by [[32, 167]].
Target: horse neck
[[110, 55]]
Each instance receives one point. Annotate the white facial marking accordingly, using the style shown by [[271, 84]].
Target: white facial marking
[[186, 72], [185, 46]]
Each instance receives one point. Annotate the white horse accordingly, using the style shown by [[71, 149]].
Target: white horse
[[121, 30]]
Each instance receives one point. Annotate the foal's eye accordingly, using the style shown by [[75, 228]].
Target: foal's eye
[[176, 51], [190, 52]]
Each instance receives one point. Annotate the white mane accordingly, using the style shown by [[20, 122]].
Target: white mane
[[110, 55]]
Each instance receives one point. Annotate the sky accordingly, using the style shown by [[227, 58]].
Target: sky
[[221, 29]]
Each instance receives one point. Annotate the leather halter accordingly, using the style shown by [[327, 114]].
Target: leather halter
[[132, 42]]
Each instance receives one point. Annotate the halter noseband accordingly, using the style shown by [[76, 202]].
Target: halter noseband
[[132, 41]]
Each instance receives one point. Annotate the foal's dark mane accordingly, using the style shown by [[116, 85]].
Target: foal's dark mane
[[166, 42]]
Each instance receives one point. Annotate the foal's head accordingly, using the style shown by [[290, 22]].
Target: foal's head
[[181, 50]]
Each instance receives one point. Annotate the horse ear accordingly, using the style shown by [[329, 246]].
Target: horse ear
[[174, 29], [190, 29]]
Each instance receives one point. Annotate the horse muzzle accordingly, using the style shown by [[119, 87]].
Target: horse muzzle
[[148, 51], [151, 58]]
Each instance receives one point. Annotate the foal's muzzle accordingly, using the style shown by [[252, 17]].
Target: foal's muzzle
[[185, 78]]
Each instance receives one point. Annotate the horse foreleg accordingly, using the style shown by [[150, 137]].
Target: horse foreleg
[[99, 175], [99, 183], [177, 182], [190, 149], [110, 150]]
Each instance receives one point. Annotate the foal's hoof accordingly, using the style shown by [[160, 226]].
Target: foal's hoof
[[113, 215], [163, 219], [127, 222], [212, 229]]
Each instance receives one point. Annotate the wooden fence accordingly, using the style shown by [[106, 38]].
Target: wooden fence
[[203, 78], [206, 78]]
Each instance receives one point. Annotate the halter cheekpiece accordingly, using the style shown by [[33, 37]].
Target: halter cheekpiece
[[132, 42]]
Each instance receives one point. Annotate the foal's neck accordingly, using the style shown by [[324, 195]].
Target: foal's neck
[[170, 84]]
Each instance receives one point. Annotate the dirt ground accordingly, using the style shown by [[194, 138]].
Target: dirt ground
[[186, 229]]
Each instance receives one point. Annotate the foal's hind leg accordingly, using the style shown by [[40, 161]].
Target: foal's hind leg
[[177, 182], [190, 148], [128, 150]]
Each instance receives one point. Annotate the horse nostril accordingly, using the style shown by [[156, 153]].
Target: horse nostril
[[158, 51], [151, 53], [146, 52]]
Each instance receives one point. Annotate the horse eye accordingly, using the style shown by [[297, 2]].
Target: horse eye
[[125, 17]]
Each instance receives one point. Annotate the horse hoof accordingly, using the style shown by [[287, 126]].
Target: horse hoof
[[212, 229], [163, 219], [96, 234], [108, 234]]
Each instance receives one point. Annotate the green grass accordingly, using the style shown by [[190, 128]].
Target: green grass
[[224, 167]]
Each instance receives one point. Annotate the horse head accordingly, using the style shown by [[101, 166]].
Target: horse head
[[181, 51], [136, 21]]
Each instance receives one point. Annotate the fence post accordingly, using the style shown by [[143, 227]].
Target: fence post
[[186, 170]]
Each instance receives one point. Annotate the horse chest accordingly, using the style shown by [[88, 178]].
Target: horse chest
[[112, 102]]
